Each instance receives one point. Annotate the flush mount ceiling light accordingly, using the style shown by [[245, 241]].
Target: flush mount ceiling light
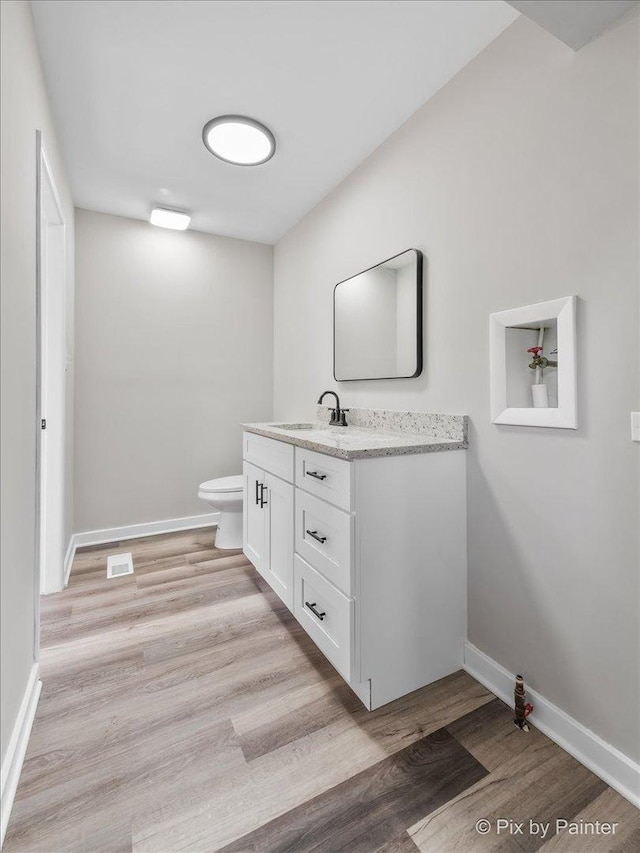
[[166, 218], [239, 140]]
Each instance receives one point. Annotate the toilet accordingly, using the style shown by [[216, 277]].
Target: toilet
[[225, 496]]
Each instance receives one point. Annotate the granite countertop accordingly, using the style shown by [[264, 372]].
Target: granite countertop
[[356, 442]]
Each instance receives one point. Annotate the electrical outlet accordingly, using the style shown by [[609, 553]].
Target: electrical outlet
[[635, 426]]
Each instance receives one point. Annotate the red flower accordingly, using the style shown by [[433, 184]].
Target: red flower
[[535, 350]]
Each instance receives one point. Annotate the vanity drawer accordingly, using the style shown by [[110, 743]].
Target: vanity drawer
[[331, 625], [325, 476], [273, 456], [324, 537]]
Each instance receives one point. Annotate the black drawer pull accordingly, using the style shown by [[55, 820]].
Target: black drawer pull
[[257, 493], [314, 534], [312, 608], [263, 489], [316, 476]]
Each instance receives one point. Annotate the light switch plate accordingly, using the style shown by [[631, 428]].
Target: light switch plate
[[635, 426]]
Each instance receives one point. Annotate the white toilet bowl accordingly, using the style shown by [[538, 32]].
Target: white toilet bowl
[[225, 496]]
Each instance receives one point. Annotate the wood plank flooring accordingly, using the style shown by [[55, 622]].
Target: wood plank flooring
[[184, 709]]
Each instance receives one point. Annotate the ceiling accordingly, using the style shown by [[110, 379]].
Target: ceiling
[[133, 83], [575, 22]]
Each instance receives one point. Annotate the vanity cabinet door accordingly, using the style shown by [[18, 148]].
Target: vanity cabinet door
[[254, 522], [279, 538]]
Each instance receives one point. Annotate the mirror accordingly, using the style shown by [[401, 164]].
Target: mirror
[[377, 321]]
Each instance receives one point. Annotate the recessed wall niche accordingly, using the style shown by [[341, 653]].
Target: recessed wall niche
[[533, 365], [521, 376]]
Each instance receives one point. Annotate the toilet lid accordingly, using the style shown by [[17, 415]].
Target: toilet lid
[[223, 484]]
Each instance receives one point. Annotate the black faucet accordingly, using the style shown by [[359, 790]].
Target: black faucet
[[338, 417]]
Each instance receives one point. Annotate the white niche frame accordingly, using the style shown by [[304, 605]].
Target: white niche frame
[[565, 416]]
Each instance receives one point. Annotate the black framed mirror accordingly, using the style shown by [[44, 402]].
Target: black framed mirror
[[377, 321]]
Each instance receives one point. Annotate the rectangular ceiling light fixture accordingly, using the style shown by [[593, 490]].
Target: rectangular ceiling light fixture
[[165, 218]]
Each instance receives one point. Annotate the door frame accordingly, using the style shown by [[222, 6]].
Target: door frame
[[50, 233]]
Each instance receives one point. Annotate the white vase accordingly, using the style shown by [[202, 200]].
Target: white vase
[[540, 396]]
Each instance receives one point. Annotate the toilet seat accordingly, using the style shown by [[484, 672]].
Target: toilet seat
[[222, 485]]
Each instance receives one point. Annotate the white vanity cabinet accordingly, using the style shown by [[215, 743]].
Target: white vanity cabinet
[[369, 554], [268, 513]]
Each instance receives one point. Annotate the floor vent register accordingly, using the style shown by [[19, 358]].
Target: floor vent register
[[119, 565]]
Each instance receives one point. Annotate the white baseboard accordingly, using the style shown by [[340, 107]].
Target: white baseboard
[[68, 558], [612, 766], [149, 528], [17, 748]]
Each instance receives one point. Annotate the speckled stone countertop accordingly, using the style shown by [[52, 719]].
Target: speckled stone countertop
[[394, 434]]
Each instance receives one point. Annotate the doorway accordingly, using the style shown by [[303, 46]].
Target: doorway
[[51, 378]]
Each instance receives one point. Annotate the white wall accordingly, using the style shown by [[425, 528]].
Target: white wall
[[174, 349], [25, 109], [519, 182]]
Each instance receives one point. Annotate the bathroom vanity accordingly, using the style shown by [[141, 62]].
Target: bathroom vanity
[[361, 531]]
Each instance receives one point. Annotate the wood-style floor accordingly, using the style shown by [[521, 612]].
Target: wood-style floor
[[184, 709]]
